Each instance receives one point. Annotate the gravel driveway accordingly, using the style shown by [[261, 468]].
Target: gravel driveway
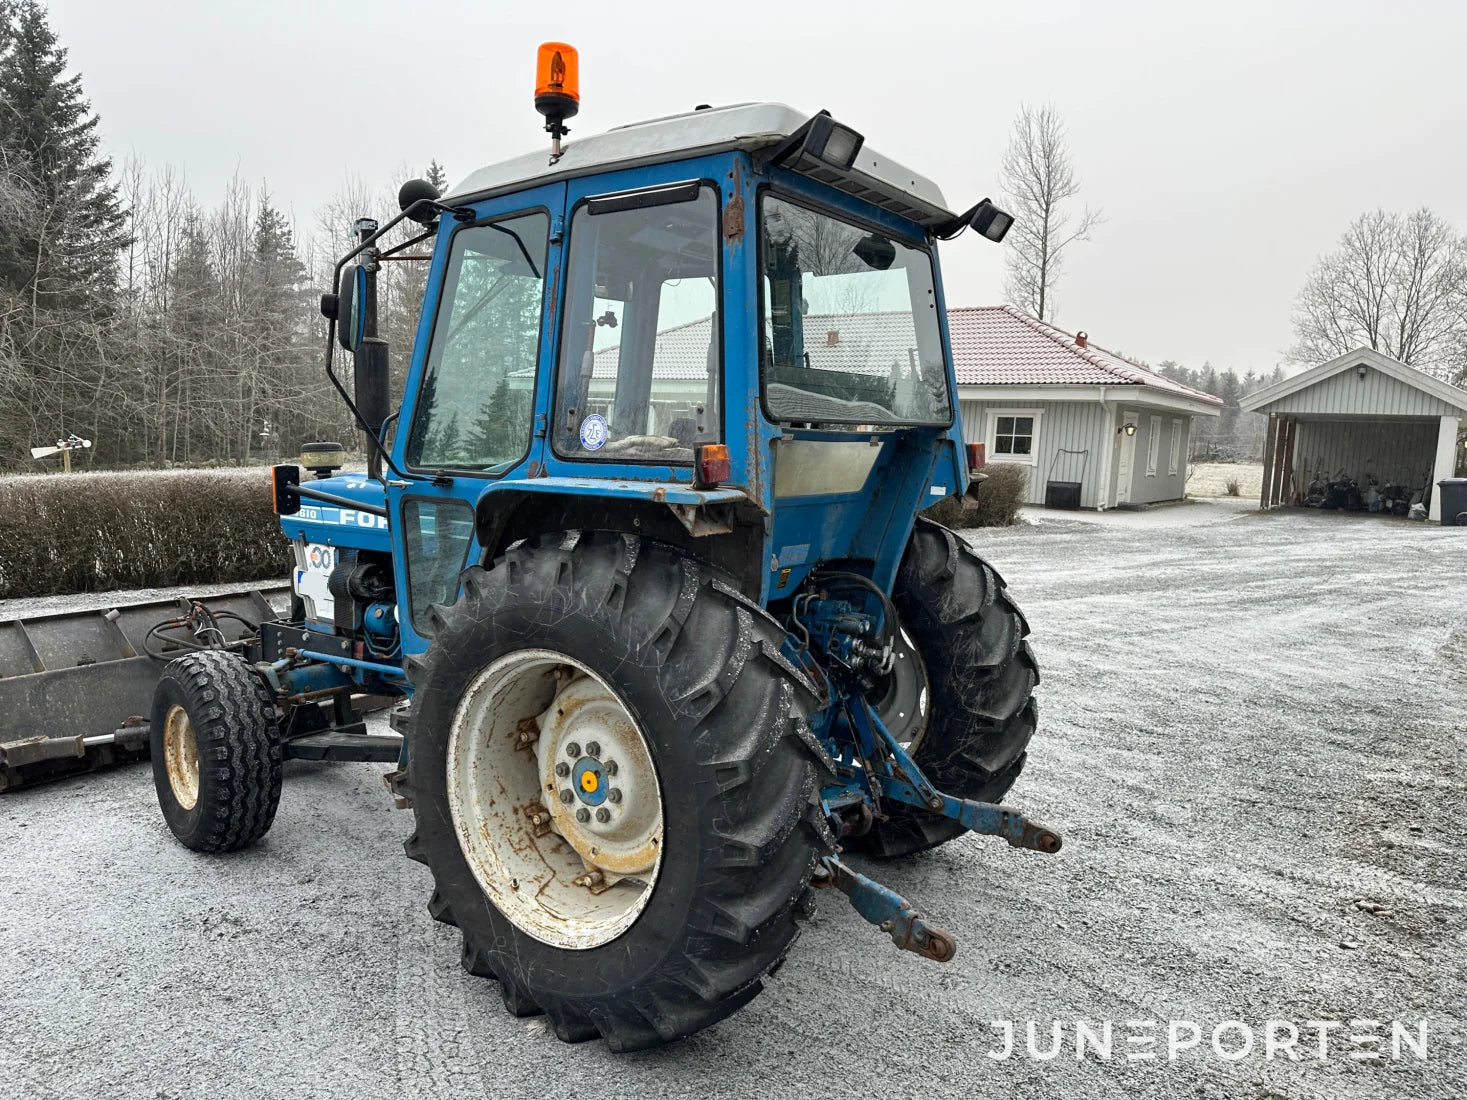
[[1249, 724]]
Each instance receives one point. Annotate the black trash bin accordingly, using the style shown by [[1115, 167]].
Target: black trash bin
[[1453, 501]]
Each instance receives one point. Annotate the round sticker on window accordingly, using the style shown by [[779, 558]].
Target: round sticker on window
[[594, 432]]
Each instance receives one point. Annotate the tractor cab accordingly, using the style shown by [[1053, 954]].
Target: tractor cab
[[642, 555], [724, 328]]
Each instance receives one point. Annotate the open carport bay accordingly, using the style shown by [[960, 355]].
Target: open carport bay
[[1362, 430], [1249, 722]]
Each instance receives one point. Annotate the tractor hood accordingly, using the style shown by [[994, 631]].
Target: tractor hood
[[332, 525]]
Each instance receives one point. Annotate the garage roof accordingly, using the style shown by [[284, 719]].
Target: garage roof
[[1384, 387]]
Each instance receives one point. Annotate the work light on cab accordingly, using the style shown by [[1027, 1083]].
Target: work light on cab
[[557, 90]]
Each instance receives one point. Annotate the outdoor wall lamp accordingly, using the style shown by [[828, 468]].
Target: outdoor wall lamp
[[1129, 429], [1360, 370]]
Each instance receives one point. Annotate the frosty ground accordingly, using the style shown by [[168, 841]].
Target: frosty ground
[[1249, 723]]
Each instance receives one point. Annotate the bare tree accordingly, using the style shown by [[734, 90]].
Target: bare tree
[[1397, 284], [1038, 179]]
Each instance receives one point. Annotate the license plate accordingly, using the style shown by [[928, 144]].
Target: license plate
[[314, 563]]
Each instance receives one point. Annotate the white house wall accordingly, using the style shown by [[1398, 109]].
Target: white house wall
[[1069, 425], [1164, 485]]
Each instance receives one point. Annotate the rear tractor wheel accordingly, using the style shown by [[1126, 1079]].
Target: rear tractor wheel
[[960, 697], [216, 752], [613, 785]]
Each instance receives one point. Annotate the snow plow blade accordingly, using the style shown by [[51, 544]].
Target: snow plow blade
[[76, 686]]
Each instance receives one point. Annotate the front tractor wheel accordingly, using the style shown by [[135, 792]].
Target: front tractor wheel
[[216, 751], [614, 785]]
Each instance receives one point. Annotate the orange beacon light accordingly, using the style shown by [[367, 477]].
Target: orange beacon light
[[557, 89]]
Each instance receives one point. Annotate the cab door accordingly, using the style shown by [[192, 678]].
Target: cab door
[[474, 404], [641, 339]]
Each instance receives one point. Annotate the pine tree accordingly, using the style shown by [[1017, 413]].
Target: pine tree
[[278, 319], [65, 254]]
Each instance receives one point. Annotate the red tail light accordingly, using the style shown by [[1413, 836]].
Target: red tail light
[[977, 455], [710, 461]]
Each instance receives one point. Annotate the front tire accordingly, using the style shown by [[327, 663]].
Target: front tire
[[980, 679], [216, 752], [663, 652]]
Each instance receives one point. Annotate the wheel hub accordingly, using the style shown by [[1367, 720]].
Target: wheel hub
[[613, 817], [565, 838], [902, 700], [181, 757]]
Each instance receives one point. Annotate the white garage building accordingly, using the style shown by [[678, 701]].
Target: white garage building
[[1363, 414]]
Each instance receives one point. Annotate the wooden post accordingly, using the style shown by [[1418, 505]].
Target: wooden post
[[1265, 496], [1288, 486], [1278, 461]]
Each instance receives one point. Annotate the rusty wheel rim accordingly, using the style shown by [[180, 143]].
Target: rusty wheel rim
[[181, 757], [555, 798]]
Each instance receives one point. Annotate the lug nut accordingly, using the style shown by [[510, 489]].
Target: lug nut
[[583, 815], [614, 795], [603, 815], [593, 748], [610, 767], [567, 797], [562, 769], [573, 750]]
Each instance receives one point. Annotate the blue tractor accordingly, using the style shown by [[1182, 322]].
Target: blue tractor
[[641, 557]]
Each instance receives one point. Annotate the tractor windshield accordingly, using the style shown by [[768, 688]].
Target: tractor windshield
[[639, 345], [849, 324]]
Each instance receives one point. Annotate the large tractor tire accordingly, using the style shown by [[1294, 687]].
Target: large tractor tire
[[615, 787], [216, 752], [966, 648]]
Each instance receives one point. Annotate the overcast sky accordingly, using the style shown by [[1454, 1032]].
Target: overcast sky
[[1227, 145]]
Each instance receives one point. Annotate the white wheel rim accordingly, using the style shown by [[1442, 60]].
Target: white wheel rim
[[181, 757], [555, 799]]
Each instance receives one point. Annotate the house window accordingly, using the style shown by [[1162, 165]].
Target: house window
[[1011, 435], [1175, 466], [1153, 446]]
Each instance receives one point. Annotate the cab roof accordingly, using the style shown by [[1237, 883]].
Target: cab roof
[[874, 178]]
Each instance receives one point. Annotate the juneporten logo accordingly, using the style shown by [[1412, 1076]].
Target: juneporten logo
[[1226, 1040]]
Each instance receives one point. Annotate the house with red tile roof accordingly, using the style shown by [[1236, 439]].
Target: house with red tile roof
[[1084, 421]]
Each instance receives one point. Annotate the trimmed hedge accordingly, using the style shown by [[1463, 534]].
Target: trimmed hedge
[[93, 532], [999, 499]]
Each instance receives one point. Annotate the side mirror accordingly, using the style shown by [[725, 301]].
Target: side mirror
[[351, 317]]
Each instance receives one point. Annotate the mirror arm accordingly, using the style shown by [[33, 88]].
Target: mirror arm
[[459, 213], [948, 230], [395, 249]]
